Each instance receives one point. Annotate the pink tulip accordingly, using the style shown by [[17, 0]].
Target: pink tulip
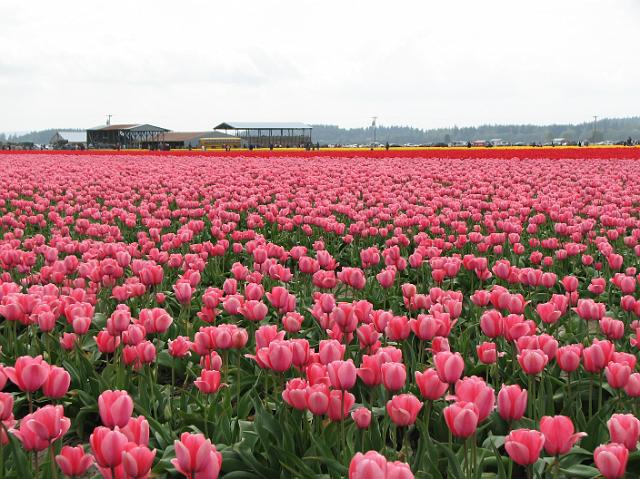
[[28, 373], [295, 393], [624, 429], [330, 350], [179, 347], [611, 460], [342, 374], [137, 431], [559, 436], [115, 408], [73, 461], [399, 470], [6, 406], [487, 352], [474, 389], [137, 461], [183, 292], [318, 399], [568, 357], [208, 382], [429, 384], [394, 375], [512, 402], [524, 446], [196, 457], [340, 403], [449, 366], [403, 409], [362, 417], [461, 418], [617, 374], [57, 383], [370, 465], [532, 361], [278, 356], [39, 430]]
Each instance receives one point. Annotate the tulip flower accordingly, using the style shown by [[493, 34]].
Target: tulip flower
[[532, 361], [196, 457], [28, 373], [449, 366], [370, 465], [342, 374], [6, 406], [107, 446], [461, 418], [208, 382], [57, 383], [524, 446], [115, 408], [624, 429], [137, 431], [137, 461], [474, 389], [74, 461], [617, 374], [512, 402], [340, 403], [362, 417], [559, 436], [394, 375], [403, 409], [42, 428], [611, 460], [429, 384]]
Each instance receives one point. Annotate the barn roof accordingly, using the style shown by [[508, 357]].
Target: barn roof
[[262, 125], [128, 126], [73, 136], [192, 135]]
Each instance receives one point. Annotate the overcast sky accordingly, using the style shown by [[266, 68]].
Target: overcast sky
[[189, 65]]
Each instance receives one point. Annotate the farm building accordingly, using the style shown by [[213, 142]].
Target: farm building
[[268, 134], [134, 135], [194, 139], [77, 139]]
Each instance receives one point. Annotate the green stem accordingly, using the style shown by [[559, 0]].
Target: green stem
[[54, 471], [172, 392], [466, 458], [600, 391], [238, 383]]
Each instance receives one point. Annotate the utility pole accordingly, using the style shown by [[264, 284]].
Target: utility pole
[[109, 119], [373, 125], [595, 120]]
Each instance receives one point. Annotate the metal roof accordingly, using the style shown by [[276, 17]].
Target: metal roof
[[262, 125], [192, 135], [128, 126], [73, 136]]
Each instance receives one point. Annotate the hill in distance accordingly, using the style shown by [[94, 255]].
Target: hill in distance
[[611, 129]]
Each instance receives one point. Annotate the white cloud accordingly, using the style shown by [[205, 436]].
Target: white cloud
[[192, 64]]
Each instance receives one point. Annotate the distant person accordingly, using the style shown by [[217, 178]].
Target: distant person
[[386, 146]]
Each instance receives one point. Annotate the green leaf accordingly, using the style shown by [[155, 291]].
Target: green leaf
[[581, 470], [454, 463], [20, 460]]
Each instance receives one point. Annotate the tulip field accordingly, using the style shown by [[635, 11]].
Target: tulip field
[[365, 315]]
